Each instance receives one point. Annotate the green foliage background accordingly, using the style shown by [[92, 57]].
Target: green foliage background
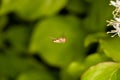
[[27, 50]]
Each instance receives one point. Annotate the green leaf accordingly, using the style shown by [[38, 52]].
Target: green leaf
[[116, 76], [102, 71], [95, 59], [31, 10], [72, 71], [6, 6], [111, 48], [18, 36], [98, 13], [76, 6], [95, 37], [11, 65], [3, 22], [1, 40], [59, 54], [35, 75]]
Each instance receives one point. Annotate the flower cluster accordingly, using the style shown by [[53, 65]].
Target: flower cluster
[[116, 15]]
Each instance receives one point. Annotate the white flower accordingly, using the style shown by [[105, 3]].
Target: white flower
[[116, 24], [116, 15], [117, 5]]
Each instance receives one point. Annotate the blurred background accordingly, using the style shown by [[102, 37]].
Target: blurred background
[[28, 29]]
